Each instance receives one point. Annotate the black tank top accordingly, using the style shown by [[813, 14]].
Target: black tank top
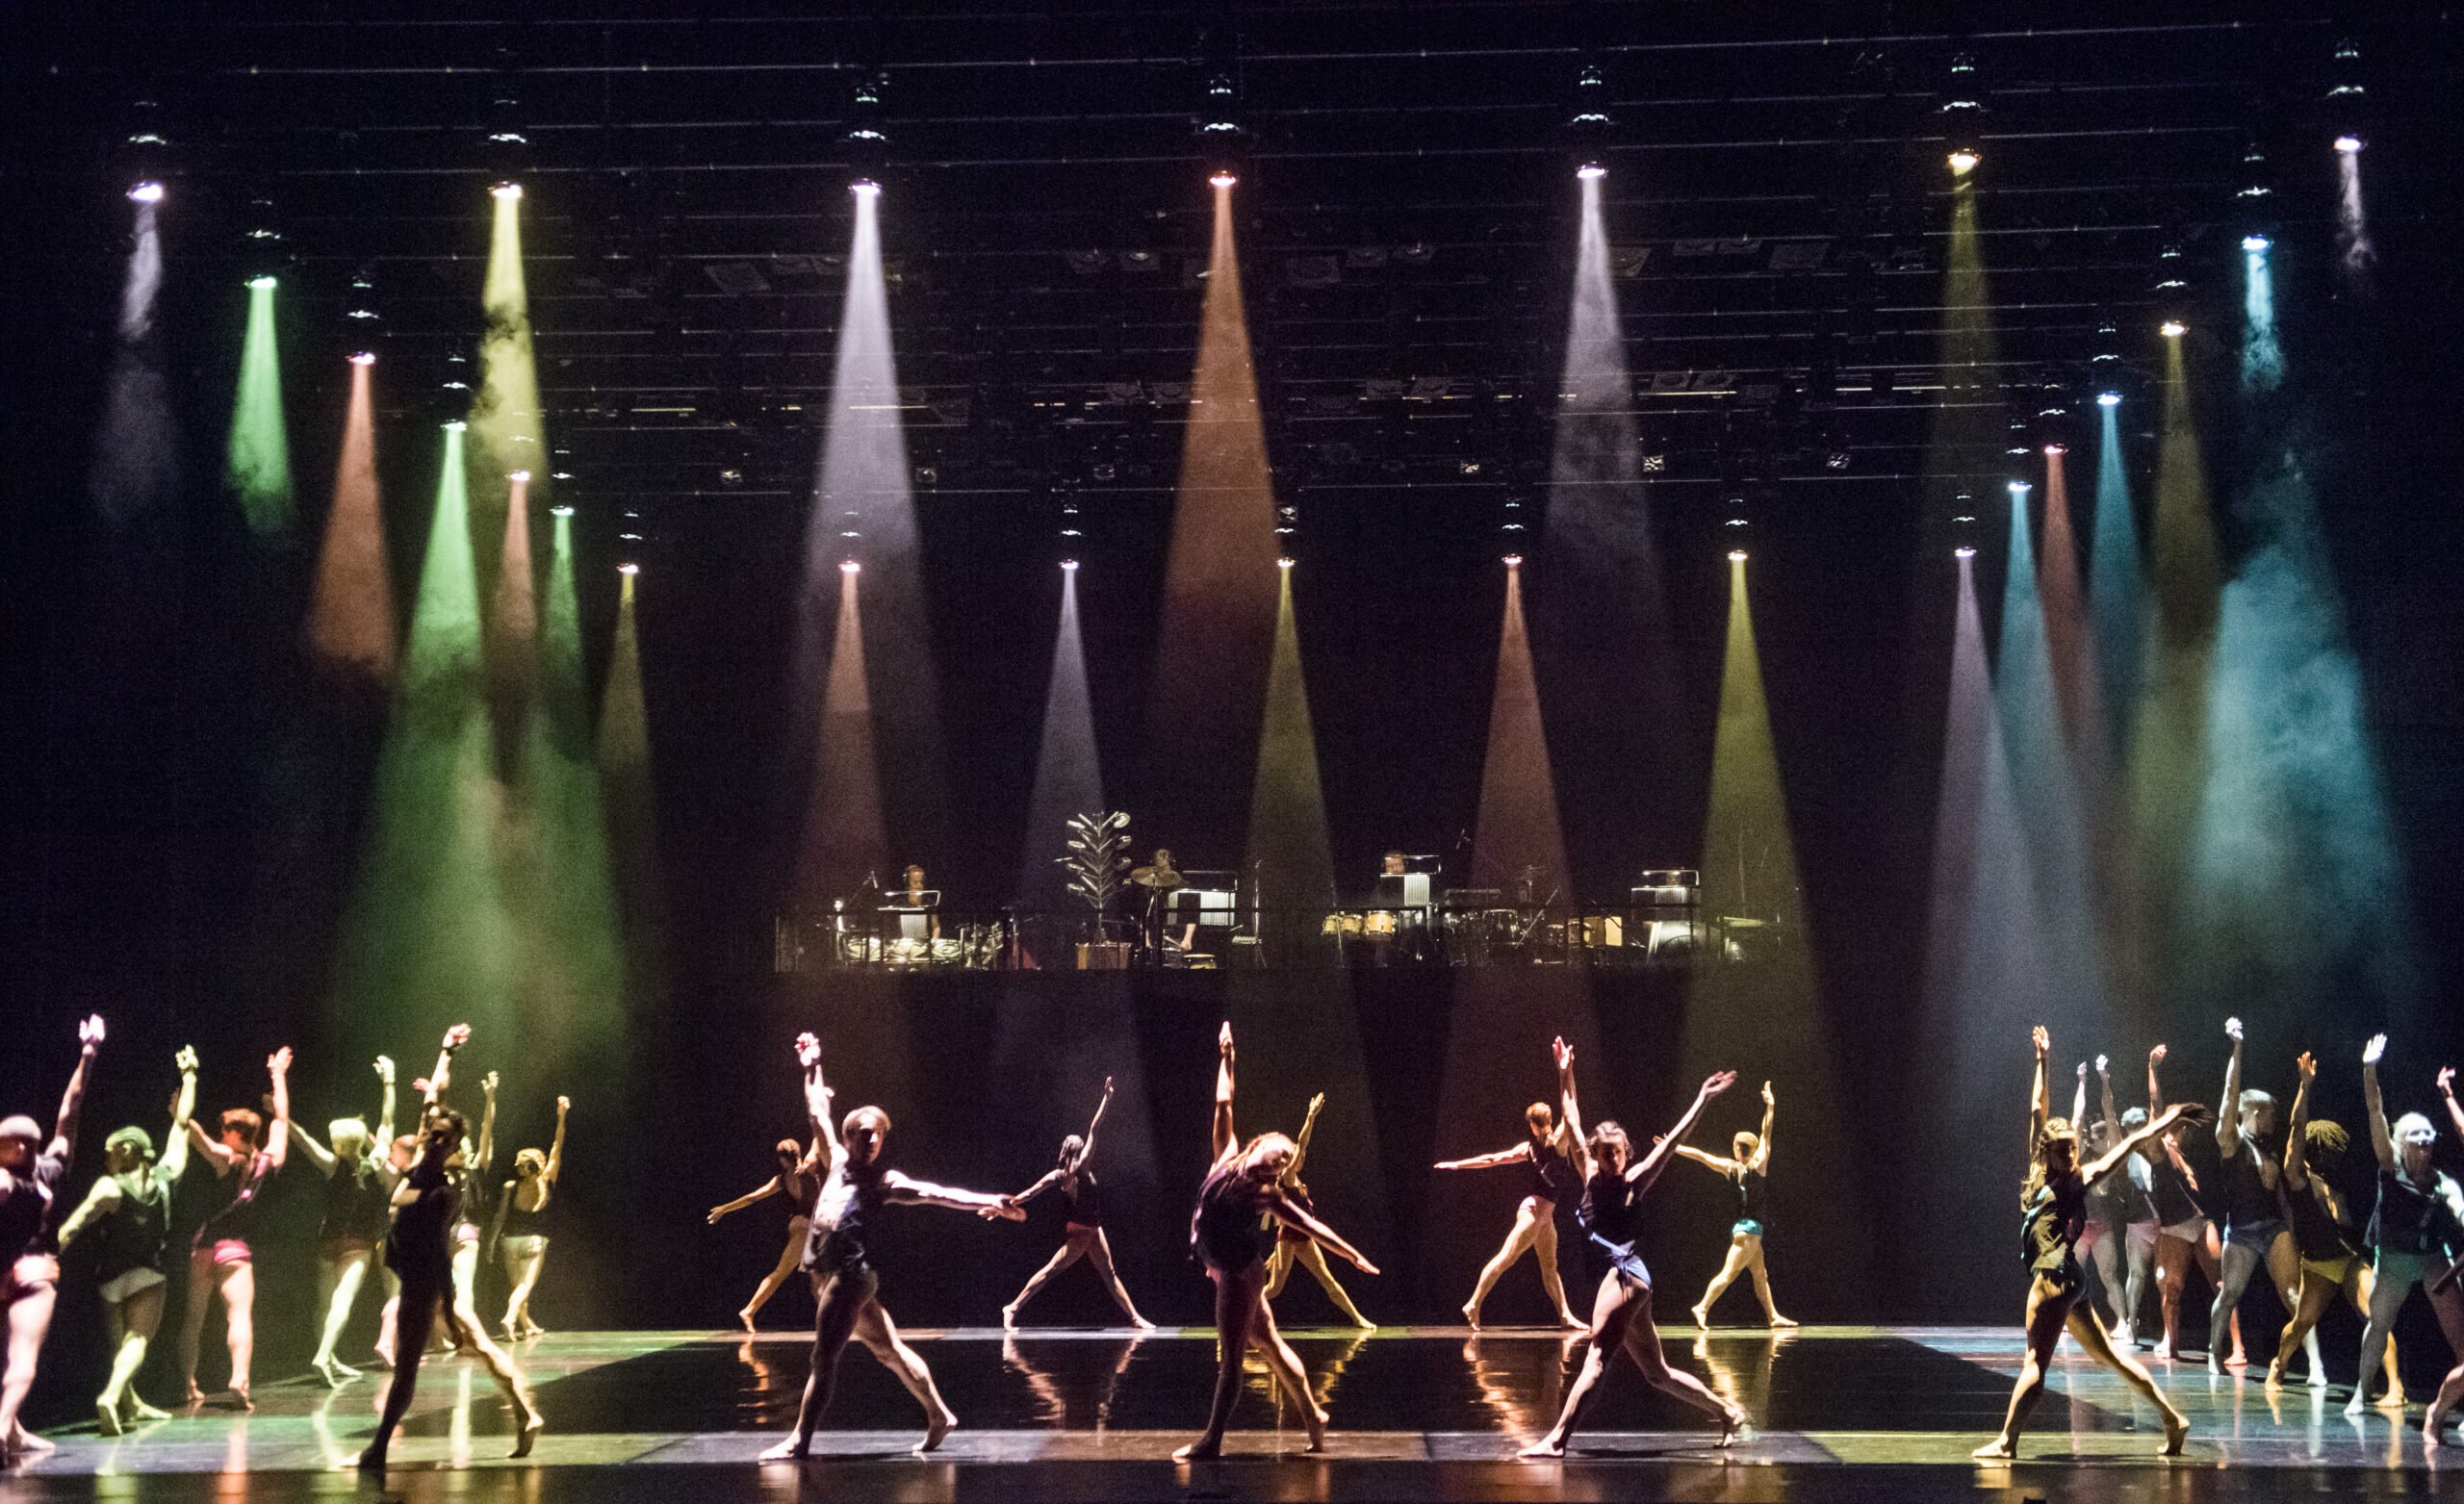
[[2175, 1201], [356, 1199], [2318, 1231], [1081, 1202], [1549, 1175], [2248, 1200], [2413, 1219], [237, 1218], [837, 1242], [2051, 1224], [1228, 1229], [133, 1235], [519, 1223], [1611, 1209]]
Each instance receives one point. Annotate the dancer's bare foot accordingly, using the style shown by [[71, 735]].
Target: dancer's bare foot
[[1472, 1316], [936, 1428], [1732, 1421], [1009, 1318], [533, 1331], [28, 1445], [2236, 1361], [107, 1417], [1702, 1318], [2352, 1406], [1997, 1450], [1364, 1323], [532, 1423], [794, 1449], [1316, 1421], [1571, 1322], [2394, 1400], [1143, 1325], [196, 1396], [1205, 1449], [2275, 1374], [1546, 1448], [744, 1320], [2176, 1430], [1780, 1323], [138, 1410], [2318, 1376], [240, 1392]]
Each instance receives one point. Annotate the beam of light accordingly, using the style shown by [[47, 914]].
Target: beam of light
[[351, 621], [2116, 586], [2262, 358], [513, 647], [1968, 422], [863, 512], [1069, 775], [1218, 609], [845, 837], [632, 813], [1987, 978], [1599, 617], [2353, 251], [136, 447], [1518, 842], [257, 458], [1289, 862]]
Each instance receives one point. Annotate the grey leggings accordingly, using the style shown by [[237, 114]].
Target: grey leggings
[[2397, 1275]]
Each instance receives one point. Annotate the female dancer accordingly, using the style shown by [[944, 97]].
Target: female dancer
[[2413, 1225], [2442, 1292], [359, 1187], [2254, 1222], [2054, 1199], [2321, 1231], [1083, 1230], [31, 1168], [132, 1206], [798, 1185], [1753, 1152], [1228, 1233], [2124, 1256], [419, 1251], [2184, 1237], [220, 1256], [1550, 1182], [1292, 1245], [1614, 1184], [521, 1220], [839, 1257]]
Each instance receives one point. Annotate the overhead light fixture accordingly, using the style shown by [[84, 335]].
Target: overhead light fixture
[[865, 188], [560, 510], [1590, 171], [2054, 450], [2254, 243], [261, 284], [1736, 555], [2020, 488], [1071, 565], [2348, 144], [1963, 552], [1283, 563], [2172, 328], [1963, 160], [507, 189], [456, 427], [519, 477], [629, 569], [364, 358], [152, 192], [850, 566], [1514, 561], [2108, 399], [1224, 178]]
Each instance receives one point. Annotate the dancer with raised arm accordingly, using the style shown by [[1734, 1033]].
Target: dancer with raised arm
[[521, 1226], [1614, 1184], [32, 1165], [2182, 1234], [839, 1256], [2413, 1225], [2443, 1291], [1746, 1171], [2321, 1231], [129, 1210], [2054, 1199], [419, 1250], [798, 1184], [1082, 1230], [2125, 1257], [359, 1190], [1549, 1181], [1228, 1233], [2255, 1232], [1293, 1246], [220, 1257]]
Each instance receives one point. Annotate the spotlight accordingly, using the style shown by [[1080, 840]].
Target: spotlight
[[1224, 178], [1963, 552], [519, 477], [2348, 144], [456, 427], [364, 358], [2020, 488], [1963, 160], [152, 192], [1071, 565], [2108, 399], [507, 189], [1591, 169], [1736, 555], [865, 188], [2054, 450], [850, 566], [629, 569], [560, 511], [261, 284], [2172, 328], [2254, 243], [1283, 563], [1514, 561]]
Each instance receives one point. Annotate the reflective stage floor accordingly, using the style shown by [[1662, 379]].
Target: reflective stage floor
[[1837, 1413]]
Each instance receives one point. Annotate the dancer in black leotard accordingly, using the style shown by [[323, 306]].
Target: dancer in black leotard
[[2323, 1233], [30, 1168], [130, 1213], [2255, 1232], [2184, 1237], [1549, 1181], [798, 1185], [359, 1187], [1229, 1235], [1745, 1171], [1614, 1184], [1293, 1248], [2055, 1200], [220, 1255], [1083, 1233], [521, 1231], [839, 1256]]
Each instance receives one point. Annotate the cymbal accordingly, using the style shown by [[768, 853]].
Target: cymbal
[[1155, 877]]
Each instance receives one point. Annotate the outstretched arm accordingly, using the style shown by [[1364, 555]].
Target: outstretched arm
[[278, 1135], [2297, 1175], [2228, 1116], [2040, 1094], [317, 1153], [1646, 1168], [442, 1078], [484, 1152], [769, 1188], [100, 1202], [1484, 1161], [816, 1097], [2096, 1168], [64, 1128], [1048, 1179], [2105, 1100], [2381, 1141], [1763, 1145], [1223, 1136], [2155, 1087], [1300, 1145], [384, 1106], [1569, 1110], [2079, 1103], [907, 1191], [1089, 1152], [216, 1152], [1289, 1212], [556, 1145], [2446, 1095], [175, 1144], [1724, 1167]]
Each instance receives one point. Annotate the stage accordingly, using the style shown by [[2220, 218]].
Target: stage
[[1866, 1413]]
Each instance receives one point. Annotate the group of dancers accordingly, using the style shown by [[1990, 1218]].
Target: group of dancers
[[422, 1199]]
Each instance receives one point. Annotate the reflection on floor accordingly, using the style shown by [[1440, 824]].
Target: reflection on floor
[[1871, 1412]]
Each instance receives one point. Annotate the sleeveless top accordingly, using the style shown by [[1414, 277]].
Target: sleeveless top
[[25, 1206], [835, 1242], [1753, 1196], [1549, 1175], [1228, 1229], [357, 1201], [2320, 1231], [2413, 1219], [1082, 1205], [2051, 1223], [133, 1235], [1610, 1215], [2171, 1193], [2248, 1200], [418, 1245], [519, 1223], [237, 1218]]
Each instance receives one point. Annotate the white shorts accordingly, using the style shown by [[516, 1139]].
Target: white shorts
[[2193, 1231], [119, 1286]]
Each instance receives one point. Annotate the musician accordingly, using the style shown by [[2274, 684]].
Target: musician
[[914, 920], [1158, 879], [1401, 901]]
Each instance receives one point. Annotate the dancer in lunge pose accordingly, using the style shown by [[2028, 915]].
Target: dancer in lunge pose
[[839, 1256], [419, 1250], [1614, 1184], [1083, 1230], [2054, 1199], [359, 1187], [1746, 1171], [1293, 1246], [129, 1210], [2413, 1227], [30, 1168], [220, 1257], [2322, 1232], [521, 1226], [2256, 1231], [1228, 1233], [798, 1184], [2184, 1239], [1549, 1181]]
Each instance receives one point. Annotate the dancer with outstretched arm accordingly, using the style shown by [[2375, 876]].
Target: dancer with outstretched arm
[[129, 1212], [2183, 1234], [1746, 1171], [2413, 1227], [1614, 1184], [220, 1257], [2331, 1264], [1082, 1229], [359, 1193], [1549, 1181], [797, 1184], [839, 1256], [2254, 1231], [521, 1230], [2054, 1201], [32, 1165], [1228, 1233], [1293, 1246]]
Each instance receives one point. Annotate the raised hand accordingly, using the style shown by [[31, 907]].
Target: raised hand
[[1224, 1040], [2083, 1073], [1563, 1052], [278, 1063], [2307, 1067], [1108, 1085], [2376, 1049], [564, 1105], [90, 1033], [716, 1213], [385, 1069], [421, 1086], [456, 1037], [2044, 1041], [186, 1060], [1318, 1102], [2156, 1057], [1767, 1099], [488, 1084], [1718, 1082], [2446, 1081], [2102, 1062], [807, 1051], [2233, 1029]]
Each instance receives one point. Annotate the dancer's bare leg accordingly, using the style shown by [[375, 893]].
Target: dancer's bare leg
[[878, 1335], [239, 1308], [1524, 1233], [2174, 1257], [469, 1336], [1238, 1294], [1099, 1253], [1314, 1259], [521, 1272], [1740, 1255], [29, 1324], [1544, 1248], [836, 1302], [193, 1322], [1611, 1308], [1285, 1364], [2317, 1294], [134, 1321], [2089, 1333], [1642, 1345], [412, 1314], [337, 1284], [1072, 1249], [790, 1258], [1761, 1273]]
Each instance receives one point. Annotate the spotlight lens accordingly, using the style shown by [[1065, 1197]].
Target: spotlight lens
[[1283, 563], [1964, 162], [2051, 450], [2108, 399], [1736, 555], [1223, 180], [1963, 552], [520, 477], [2254, 243], [851, 567], [456, 427], [1071, 565], [2172, 328], [1514, 561], [629, 569], [865, 188], [560, 511], [364, 358], [261, 284], [152, 192], [507, 191], [2020, 487], [2348, 144], [1591, 169]]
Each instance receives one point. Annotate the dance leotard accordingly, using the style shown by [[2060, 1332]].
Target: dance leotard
[[1082, 1205], [835, 1243], [2052, 1221], [1227, 1230], [1610, 1217], [418, 1245], [133, 1236], [229, 1228], [1753, 1201], [1551, 1176], [356, 1201]]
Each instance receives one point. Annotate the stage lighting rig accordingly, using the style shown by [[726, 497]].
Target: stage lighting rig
[[1961, 114], [264, 249], [1220, 134], [1590, 131], [142, 156], [866, 142]]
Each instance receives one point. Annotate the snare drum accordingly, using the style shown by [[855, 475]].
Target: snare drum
[[1378, 922]]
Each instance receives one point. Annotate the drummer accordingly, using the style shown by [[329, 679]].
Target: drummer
[[914, 916], [1158, 879]]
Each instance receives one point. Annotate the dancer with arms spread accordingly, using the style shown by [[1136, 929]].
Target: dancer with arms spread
[[1292, 1245], [359, 1191], [2183, 1234], [797, 1183], [1614, 1184], [1228, 1233], [130, 1211], [2322, 1234], [1549, 1181], [1083, 1233], [31, 1168], [220, 1257], [2054, 1199], [1746, 1171], [839, 1256]]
